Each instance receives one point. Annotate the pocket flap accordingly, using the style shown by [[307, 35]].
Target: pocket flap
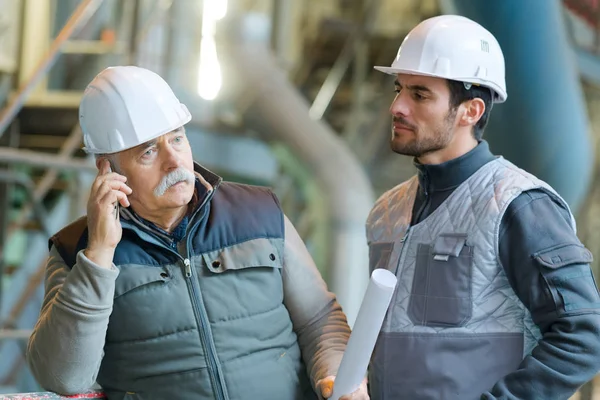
[[132, 277], [253, 253], [560, 256], [449, 245]]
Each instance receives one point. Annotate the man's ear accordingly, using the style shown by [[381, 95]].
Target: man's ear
[[111, 160], [473, 111], [99, 161]]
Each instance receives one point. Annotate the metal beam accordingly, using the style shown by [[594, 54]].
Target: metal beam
[[25, 181], [342, 63], [37, 253], [281, 32], [44, 160], [72, 143], [6, 189], [52, 98], [91, 47], [6, 81], [20, 334], [33, 283], [333, 80], [79, 17]]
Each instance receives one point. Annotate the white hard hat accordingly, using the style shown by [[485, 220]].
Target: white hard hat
[[126, 106], [452, 47]]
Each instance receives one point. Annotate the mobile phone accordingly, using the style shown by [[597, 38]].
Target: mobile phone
[[117, 205]]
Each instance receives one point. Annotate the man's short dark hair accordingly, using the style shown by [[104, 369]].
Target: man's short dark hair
[[459, 94]]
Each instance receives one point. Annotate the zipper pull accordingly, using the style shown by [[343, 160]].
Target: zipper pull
[[188, 267], [405, 236]]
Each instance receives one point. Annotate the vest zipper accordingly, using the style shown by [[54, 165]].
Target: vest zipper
[[214, 368], [401, 255], [423, 208], [188, 268], [214, 371]]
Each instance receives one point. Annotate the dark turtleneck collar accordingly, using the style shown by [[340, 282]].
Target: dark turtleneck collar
[[450, 174]]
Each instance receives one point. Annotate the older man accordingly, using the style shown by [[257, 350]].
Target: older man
[[177, 284]]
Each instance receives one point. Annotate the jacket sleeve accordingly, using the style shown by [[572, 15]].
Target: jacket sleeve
[[66, 347], [549, 270], [317, 317]]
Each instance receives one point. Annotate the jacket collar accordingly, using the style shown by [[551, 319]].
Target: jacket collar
[[207, 182], [451, 174]]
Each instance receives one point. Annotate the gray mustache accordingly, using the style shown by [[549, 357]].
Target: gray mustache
[[179, 175]]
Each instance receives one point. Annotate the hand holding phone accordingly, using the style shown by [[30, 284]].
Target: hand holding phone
[[104, 226]]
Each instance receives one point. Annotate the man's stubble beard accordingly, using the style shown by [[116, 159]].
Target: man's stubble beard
[[422, 145]]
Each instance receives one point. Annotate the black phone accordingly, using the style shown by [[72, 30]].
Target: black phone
[[117, 205]]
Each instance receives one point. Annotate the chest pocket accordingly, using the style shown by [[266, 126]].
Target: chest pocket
[[243, 279], [442, 284], [144, 295]]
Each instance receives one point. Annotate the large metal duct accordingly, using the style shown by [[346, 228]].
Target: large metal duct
[[266, 96], [343, 182]]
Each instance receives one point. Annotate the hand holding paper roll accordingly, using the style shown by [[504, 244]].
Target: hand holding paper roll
[[364, 334]]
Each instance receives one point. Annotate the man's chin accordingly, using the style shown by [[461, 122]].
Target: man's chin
[[404, 150], [175, 201], [178, 195]]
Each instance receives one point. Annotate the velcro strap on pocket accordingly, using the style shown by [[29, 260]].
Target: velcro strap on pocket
[[448, 245], [560, 256]]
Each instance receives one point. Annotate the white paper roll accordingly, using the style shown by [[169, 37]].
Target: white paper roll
[[364, 335]]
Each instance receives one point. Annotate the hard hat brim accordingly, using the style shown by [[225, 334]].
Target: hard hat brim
[[395, 71], [391, 71], [498, 97], [178, 125]]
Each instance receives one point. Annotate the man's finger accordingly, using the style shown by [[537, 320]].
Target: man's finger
[[125, 189], [110, 199], [327, 387], [107, 186], [106, 178], [104, 167], [123, 199]]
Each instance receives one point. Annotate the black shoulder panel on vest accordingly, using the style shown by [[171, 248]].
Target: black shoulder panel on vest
[[238, 213], [69, 240]]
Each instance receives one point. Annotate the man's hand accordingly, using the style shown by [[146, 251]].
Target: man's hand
[[104, 226], [325, 387]]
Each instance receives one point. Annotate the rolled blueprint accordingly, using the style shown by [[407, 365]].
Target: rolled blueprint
[[364, 335]]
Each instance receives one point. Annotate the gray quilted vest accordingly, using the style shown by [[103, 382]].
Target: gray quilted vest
[[454, 326]]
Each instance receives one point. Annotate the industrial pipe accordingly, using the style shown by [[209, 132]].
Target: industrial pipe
[[543, 127], [341, 178]]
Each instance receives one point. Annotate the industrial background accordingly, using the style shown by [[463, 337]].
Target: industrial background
[[282, 94]]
